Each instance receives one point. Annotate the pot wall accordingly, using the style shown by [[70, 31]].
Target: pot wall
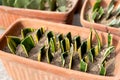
[[20, 68], [8, 15], [97, 26]]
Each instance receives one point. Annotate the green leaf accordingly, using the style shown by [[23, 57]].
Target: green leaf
[[60, 37], [41, 53], [36, 4], [50, 34], [108, 51], [102, 70], [12, 43], [98, 41], [83, 48], [94, 15], [21, 3], [100, 12], [96, 5], [25, 31], [110, 9], [61, 3], [27, 44], [90, 56], [52, 5], [77, 43], [62, 9], [89, 41], [95, 51], [38, 35], [42, 30], [42, 4], [49, 55], [86, 59], [109, 40], [11, 2], [0, 2], [5, 3], [65, 45], [71, 57], [63, 56], [52, 45], [69, 36], [80, 53], [83, 66]]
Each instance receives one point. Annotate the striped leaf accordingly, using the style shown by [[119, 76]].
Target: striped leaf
[[77, 43], [102, 70], [41, 53], [49, 55], [25, 31], [109, 40], [63, 56], [12, 43], [27, 44], [71, 57], [65, 45]]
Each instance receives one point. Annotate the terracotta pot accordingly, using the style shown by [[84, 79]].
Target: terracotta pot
[[20, 68], [10, 14], [97, 26]]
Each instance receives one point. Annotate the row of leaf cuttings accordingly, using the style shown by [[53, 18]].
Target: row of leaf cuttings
[[68, 46], [98, 12], [52, 5]]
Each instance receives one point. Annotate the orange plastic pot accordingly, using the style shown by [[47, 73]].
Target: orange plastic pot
[[97, 26], [9, 14], [20, 68]]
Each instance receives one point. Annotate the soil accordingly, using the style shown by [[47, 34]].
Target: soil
[[103, 20], [92, 67]]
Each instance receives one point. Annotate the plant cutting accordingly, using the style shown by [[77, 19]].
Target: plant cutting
[[102, 13], [49, 50], [55, 10]]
